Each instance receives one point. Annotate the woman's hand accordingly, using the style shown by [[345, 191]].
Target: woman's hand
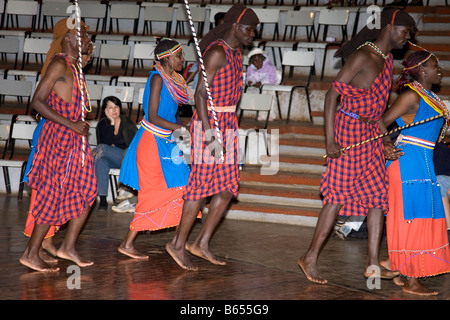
[[391, 152]]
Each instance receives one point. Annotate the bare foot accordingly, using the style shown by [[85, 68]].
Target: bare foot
[[386, 264], [73, 256], [132, 252], [48, 246], [180, 257], [310, 270], [46, 257], [399, 281], [37, 264], [205, 254], [384, 273], [413, 286]]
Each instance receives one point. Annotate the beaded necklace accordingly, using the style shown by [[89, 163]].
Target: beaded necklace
[[430, 96], [374, 47], [176, 85]]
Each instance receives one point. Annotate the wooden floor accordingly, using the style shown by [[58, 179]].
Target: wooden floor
[[261, 265]]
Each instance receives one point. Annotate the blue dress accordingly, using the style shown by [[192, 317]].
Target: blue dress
[[415, 223], [176, 174]]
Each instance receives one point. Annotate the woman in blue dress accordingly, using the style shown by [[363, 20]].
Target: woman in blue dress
[[153, 164], [415, 223]]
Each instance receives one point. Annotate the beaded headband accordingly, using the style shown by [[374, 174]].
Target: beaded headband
[[424, 60], [169, 52]]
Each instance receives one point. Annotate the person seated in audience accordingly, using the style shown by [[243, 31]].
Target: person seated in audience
[[261, 71], [115, 132]]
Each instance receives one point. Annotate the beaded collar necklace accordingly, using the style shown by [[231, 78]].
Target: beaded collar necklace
[[176, 85], [374, 47], [435, 100]]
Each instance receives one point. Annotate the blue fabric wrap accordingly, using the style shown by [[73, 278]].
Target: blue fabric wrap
[[175, 169]]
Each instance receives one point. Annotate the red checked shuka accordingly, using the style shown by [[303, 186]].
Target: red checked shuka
[[64, 186], [208, 177], [358, 180]]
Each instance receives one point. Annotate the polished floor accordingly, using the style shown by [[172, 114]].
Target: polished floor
[[261, 265]]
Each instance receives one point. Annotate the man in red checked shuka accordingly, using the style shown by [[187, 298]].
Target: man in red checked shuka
[[221, 50], [355, 182], [62, 172]]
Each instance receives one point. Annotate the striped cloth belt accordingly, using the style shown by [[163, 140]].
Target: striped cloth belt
[[223, 109], [416, 141], [160, 132]]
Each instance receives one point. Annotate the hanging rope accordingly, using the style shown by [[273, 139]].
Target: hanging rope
[[205, 79], [390, 132]]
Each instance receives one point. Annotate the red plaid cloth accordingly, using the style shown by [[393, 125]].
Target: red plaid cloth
[[227, 84], [64, 187], [208, 177], [358, 180]]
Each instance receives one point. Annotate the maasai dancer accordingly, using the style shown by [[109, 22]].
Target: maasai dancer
[[62, 171], [47, 243], [415, 223], [355, 183], [222, 56], [153, 164]]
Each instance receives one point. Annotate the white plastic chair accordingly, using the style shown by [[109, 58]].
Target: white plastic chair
[[21, 8], [268, 16], [333, 17], [293, 59], [19, 131], [17, 88], [97, 78], [157, 14], [255, 102], [296, 19], [53, 9], [94, 10], [95, 94], [38, 47], [123, 11], [5, 131], [198, 15], [9, 46], [2, 11], [114, 52], [190, 54], [142, 51]]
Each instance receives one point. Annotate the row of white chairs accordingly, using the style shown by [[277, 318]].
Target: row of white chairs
[[129, 89], [138, 53], [116, 12]]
